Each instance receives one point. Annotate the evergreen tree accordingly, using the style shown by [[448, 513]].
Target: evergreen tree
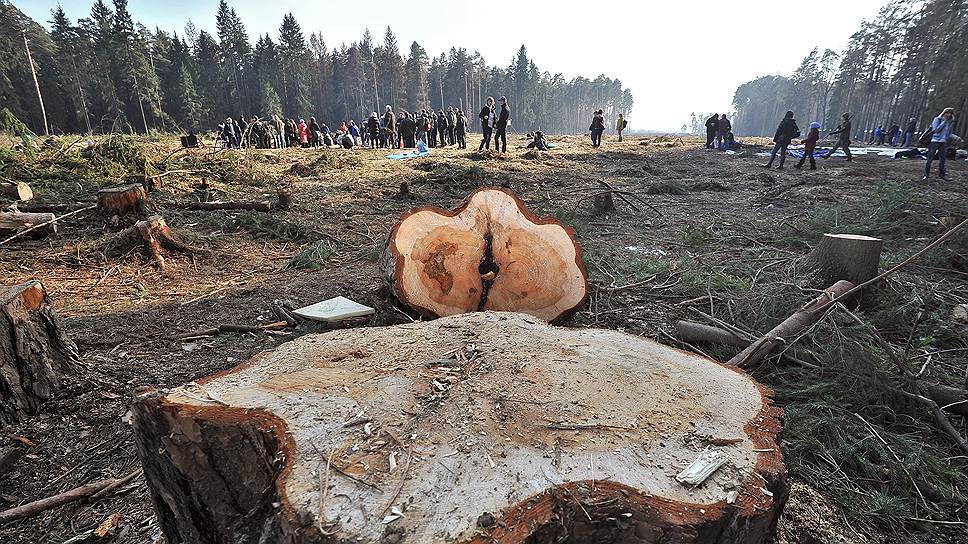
[[416, 78], [293, 58]]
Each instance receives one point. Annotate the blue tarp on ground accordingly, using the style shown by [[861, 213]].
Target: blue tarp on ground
[[408, 155]]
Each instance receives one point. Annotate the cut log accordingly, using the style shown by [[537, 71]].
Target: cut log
[[152, 235], [123, 200], [491, 253], [258, 206], [791, 326], [481, 427], [11, 222], [34, 350], [850, 257], [16, 190], [706, 334]]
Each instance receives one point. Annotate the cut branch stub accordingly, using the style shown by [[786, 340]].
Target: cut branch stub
[[491, 253], [481, 427], [34, 350]]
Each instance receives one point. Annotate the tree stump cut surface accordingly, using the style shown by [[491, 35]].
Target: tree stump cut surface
[[34, 350], [491, 253], [481, 427], [851, 257]]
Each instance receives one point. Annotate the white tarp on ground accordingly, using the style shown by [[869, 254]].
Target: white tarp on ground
[[859, 151]]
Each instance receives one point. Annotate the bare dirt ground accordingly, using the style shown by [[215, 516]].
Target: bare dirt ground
[[725, 237]]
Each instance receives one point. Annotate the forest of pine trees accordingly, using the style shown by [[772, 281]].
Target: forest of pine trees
[[911, 61], [109, 73]]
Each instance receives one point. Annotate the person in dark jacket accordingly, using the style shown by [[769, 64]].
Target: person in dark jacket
[[809, 145], [722, 129], [910, 132], [597, 128], [373, 129], [712, 127], [451, 125], [501, 127], [487, 123], [460, 130], [843, 130], [315, 134], [390, 127], [408, 131], [785, 133]]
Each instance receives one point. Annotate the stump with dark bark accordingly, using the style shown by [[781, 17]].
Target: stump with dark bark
[[152, 236], [34, 350], [850, 257], [483, 427], [491, 253], [604, 203], [123, 200]]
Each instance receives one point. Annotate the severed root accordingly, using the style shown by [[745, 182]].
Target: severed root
[[153, 234]]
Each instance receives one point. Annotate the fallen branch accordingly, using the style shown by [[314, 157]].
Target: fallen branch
[[697, 332], [76, 494], [229, 327]]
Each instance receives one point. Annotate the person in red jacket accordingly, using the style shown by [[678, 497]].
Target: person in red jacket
[[809, 144]]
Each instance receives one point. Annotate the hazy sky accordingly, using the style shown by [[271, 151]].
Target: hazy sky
[[675, 56]]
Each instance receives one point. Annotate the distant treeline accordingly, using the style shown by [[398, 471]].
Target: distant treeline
[[909, 62], [107, 73]]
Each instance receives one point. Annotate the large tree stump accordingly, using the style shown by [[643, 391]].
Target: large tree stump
[[850, 257], [491, 253], [16, 190], [152, 235], [123, 200], [11, 222], [34, 350], [483, 427]]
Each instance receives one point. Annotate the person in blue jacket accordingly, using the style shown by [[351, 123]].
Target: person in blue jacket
[[942, 130]]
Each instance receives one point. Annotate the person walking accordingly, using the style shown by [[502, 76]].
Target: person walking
[[809, 145], [487, 123], [786, 131], [722, 129], [620, 125], [597, 128], [712, 126], [843, 142], [501, 127], [941, 132], [460, 130]]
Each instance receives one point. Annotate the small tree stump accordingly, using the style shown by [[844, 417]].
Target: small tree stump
[[850, 257], [152, 235], [478, 428], [123, 200], [16, 190], [285, 198], [491, 253], [604, 203], [34, 350], [11, 222]]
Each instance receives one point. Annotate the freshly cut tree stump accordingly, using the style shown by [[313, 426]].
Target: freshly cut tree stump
[[152, 234], [16, 190], [11, 222], [123, 200], [34, 350], [481, 427], [850, 257], [491, 253]]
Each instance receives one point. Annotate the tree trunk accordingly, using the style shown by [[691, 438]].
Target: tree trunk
[[11, 222], [491, 253], [34, 350], [152, 235], [848, 257], [16, 190], [482, 427], [123, 200], [705, 334]]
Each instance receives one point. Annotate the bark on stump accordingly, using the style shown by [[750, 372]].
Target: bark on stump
[[850, 257], [152, 235], [604, 203], [483, 427], [34, 350], [16, 190], [491, 253], [123, 200], [11, 222]]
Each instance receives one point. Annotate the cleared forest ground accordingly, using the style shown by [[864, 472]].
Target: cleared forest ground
[[725, 238]]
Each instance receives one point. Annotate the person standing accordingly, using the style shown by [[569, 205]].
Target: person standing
[[487, 123], [280, 126], [460, 130], [910, 131], [373, 128], [620, 125], [786, 131], [722, 129], [712, 126], [809, 145], [390, 127], [228, 132], [843, 129], [597, 128], [442, 127], [451, 125], [303, 130], [501, 127], [941, 132]]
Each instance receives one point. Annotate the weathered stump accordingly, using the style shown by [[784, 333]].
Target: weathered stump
[[482, 427], [152, 235], [123, 200], [491, 253], [34, 350], [604, 203], [850, 257]]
